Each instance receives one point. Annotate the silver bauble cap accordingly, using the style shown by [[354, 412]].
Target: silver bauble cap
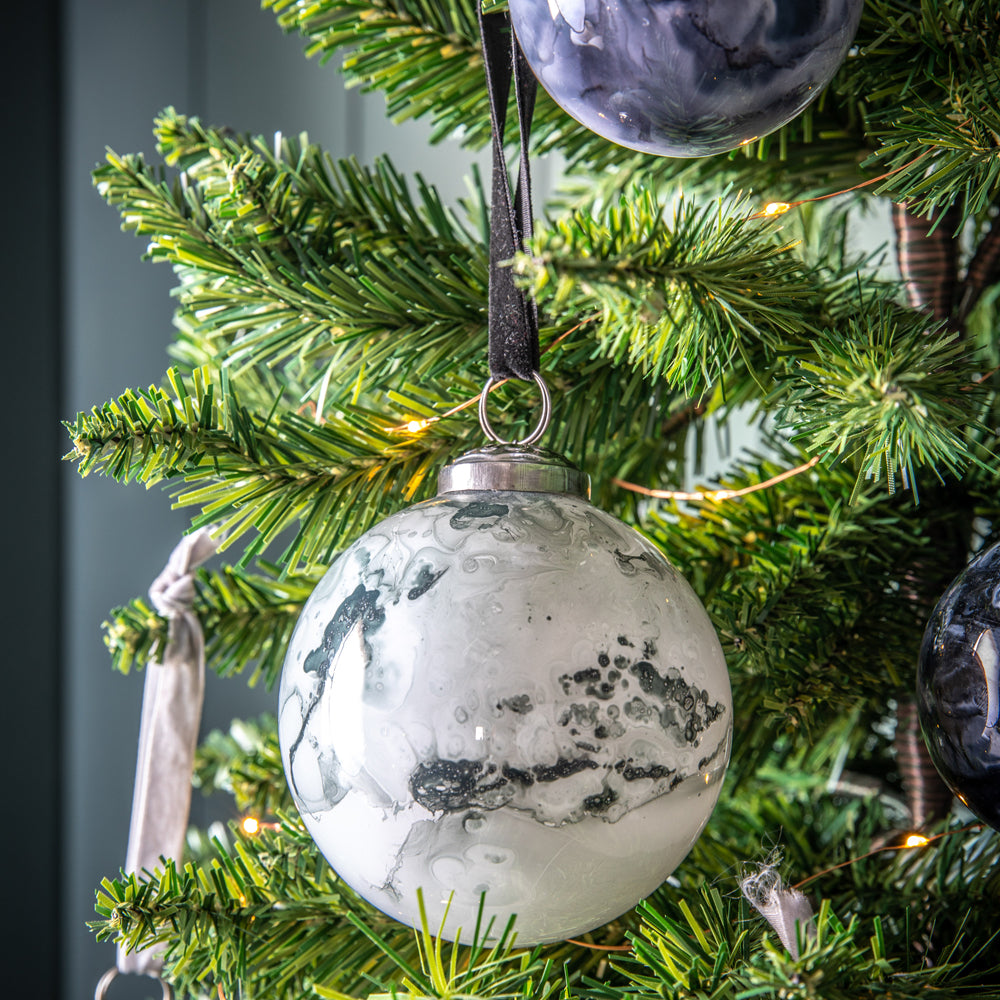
[[513, 467]]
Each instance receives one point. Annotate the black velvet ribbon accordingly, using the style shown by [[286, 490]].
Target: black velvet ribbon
[[513, 315]]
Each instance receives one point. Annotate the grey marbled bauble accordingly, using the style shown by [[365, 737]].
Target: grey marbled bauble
[[506, 692], [684, 77]]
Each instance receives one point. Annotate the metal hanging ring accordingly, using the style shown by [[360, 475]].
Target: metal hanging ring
[[109, 977], [543, 420]]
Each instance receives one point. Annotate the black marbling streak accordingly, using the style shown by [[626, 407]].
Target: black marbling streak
[[601, 802], [630, 772], [603, 691], [518, 776], [563, 768], [455, 785], [627, 567], [582, 715], [520, 704], [458, 785], [480, 515], [426, 579], [697, 713], [361, 605]]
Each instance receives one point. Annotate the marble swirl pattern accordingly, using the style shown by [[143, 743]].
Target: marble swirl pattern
[[505, 693], [684, 77]]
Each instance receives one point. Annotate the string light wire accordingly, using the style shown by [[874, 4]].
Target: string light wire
[[716, 495], [780, 207], [912, 841]]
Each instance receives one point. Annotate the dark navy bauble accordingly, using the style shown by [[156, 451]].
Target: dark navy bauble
[[958, 686], [684, 77]]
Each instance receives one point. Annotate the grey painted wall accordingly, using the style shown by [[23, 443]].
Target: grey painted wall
[[226, 61]]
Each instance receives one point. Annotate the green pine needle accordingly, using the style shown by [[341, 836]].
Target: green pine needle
[[888, 395]]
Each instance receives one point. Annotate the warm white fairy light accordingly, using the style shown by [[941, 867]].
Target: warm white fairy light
[[774, 208]]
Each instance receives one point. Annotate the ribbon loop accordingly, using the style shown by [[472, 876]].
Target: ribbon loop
[[172, 697], [513, 316]]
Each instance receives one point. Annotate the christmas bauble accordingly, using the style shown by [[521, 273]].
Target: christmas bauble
[[505, 691], [958, 686], [684, 77]]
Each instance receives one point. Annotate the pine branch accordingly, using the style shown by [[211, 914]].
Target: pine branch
[[936, 890], [681, 302], [297, 188], [803, 589], [888, 397], [269, 254], [707, 951], [267, 918], [456, 971], [247, 619], [847, 845], [302, 186], [258, 473], [939, 161], [930, 75], [245, 762], [411, 49], [425, 56]]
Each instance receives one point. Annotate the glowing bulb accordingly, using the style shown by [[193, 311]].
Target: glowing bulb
[[915, 840], [250, 825], [416, 426], [776, 208]]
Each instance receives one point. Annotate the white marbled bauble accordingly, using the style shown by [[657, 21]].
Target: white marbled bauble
[[510, 693]]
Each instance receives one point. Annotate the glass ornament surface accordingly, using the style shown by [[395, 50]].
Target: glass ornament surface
[[958, 686], [506, 692], [684, 77]]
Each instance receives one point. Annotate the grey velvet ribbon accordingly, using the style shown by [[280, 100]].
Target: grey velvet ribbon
[[168, 733]]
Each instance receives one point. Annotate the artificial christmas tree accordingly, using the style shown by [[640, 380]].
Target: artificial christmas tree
[[332, 323]]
